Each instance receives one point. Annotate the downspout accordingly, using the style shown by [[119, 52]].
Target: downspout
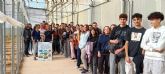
[[123, 6], [72, 10], [92, 10], [130, 12]]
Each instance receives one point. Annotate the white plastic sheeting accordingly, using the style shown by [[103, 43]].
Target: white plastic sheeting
[[13, 22], [2, 17]]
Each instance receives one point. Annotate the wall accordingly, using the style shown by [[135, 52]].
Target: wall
[[107, 14], [146, 7]]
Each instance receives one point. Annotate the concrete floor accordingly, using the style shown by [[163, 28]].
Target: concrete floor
[[59, 65]]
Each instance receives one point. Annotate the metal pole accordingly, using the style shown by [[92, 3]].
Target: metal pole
[[1, 50], [52, 16], [72, 10], [61, 13], [22, 44], [3, 40], [1, 43], [18, 43], [131, 12], [92, 11], [18, 51], [12, 40], [56, 14]]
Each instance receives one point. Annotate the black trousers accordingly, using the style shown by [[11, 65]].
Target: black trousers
[[94, 63], [27, 43], [103, 64], [138, 60], [56, 46], [78, 57]]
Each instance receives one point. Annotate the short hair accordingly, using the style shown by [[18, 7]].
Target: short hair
[[156, 15], [123, 15], [137, 15], [94, 23], [87, 27]]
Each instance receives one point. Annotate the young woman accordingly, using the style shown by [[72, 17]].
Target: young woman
[[103, 51], [36, 38], [93, 38], [72, 47], [66, 42], [78, 33]]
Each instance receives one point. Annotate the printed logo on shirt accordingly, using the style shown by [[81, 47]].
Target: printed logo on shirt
[[136, 36], [155, 37]]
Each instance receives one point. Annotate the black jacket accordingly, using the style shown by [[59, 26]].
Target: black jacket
[[120, 33], [27, 34]]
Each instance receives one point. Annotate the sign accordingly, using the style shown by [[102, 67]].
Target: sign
[[44, 51]]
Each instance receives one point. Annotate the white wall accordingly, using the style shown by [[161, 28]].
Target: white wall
[[163, 9], [84, 17], [145, 7], [107, 14]]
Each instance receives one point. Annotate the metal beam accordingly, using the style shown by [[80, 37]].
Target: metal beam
[[35, 8], [54, 7]]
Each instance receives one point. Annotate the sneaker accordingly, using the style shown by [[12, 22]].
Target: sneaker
[[72, 58], [35, 58], [81, 69], [84, 71], [78, 67]]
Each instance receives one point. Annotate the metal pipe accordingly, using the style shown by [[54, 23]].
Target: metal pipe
[[18, 51], [1, 43], [61, 13], [92, 10], [131, 12], [12, 40], [72, 9], [56, 15], [3, 40]]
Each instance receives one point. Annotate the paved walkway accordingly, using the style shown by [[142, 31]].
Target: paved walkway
[[59, 65]]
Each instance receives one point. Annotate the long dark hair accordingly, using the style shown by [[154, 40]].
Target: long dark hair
[[96, 32]]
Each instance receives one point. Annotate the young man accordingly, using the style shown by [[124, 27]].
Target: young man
[[117, 39], [153, 43], [95, 26], [134, 57], [27, 39]]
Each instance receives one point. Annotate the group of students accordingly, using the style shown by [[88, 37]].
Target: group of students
[[115, 49]]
